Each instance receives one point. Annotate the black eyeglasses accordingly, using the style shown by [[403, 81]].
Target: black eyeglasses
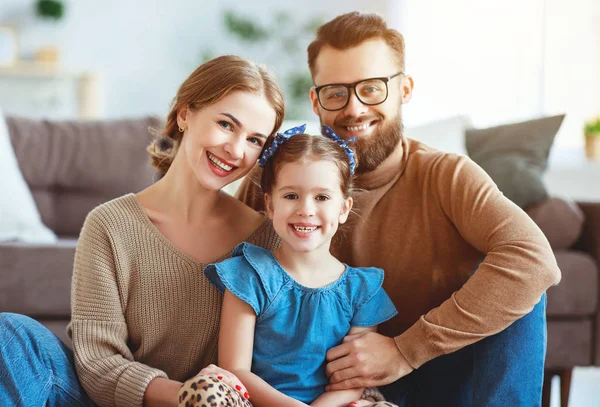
[[372, 91]]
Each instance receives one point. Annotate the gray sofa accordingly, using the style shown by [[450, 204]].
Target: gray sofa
[[73, 166], [70, 167]]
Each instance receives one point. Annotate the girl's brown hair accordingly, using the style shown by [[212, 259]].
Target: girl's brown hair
[[305, 148], [351, 29], [208, 84]]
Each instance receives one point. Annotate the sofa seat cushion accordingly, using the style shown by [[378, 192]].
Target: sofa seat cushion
[[36, 279], [577, 293]]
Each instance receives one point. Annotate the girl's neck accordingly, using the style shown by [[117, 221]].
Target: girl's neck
[[314, 269]]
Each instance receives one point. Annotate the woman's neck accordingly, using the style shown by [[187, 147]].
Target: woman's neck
[[314, 269], [179, 192]]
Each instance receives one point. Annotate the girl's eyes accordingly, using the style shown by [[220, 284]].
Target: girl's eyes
[[321, 198]]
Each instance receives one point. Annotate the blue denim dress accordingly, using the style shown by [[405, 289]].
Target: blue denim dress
[[297, 325]]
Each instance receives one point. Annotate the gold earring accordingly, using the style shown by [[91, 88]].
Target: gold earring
[[181, 129]]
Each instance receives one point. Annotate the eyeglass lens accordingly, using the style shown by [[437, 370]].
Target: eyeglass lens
[[369, 92]]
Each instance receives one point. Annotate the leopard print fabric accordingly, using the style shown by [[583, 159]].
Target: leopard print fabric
[[208, 391]]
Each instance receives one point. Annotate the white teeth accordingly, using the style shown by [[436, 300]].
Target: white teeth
[[303, 229], [219, 163], [356, 128]]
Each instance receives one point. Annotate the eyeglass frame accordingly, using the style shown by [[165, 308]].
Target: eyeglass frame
[[384, 79]]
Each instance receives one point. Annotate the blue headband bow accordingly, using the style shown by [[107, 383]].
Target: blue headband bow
[[277, 141], [328, 132]]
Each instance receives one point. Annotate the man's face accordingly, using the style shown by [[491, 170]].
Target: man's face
[[378, 128]]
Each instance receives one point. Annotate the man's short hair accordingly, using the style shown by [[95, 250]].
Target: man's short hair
[[351, 29]]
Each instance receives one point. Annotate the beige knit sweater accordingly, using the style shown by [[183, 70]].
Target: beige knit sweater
[[141, 308]]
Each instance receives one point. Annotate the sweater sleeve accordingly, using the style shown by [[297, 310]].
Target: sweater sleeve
[[104, 363], [518, 267]]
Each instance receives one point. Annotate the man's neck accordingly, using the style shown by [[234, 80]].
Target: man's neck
[[388, 171]]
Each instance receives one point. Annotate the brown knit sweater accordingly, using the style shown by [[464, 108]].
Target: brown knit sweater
[[428, 218], [141, 308]]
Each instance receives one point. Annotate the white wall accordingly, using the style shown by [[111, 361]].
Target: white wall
[[145, 49], [499, 61], [484, 59]]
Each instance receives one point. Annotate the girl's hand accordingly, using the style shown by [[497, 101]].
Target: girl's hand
[[361, 403], [227, 378]]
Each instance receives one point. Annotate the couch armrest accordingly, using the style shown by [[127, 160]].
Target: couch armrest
[[590, 236]]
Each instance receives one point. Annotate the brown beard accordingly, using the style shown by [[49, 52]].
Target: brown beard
[[373, 150]]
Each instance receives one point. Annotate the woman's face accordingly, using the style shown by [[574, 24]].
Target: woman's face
[[222, 142]]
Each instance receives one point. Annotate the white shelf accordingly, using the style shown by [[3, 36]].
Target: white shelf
[[37, 70], [37, 89]]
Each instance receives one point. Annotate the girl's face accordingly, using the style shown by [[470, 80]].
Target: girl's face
[[306, 204], [222, 142]]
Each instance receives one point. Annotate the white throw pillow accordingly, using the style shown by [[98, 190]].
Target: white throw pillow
[[446, 135], [19, 216]]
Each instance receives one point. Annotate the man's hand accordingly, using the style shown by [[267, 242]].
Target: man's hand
[[365, 360]]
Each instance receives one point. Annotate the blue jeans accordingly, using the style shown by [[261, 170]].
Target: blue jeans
[[36, 368], [506, 369]]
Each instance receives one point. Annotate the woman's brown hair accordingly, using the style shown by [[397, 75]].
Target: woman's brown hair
[[208, 84], [351, 29], [305, 148]]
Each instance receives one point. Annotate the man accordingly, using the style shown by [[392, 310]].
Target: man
[[466, 268]]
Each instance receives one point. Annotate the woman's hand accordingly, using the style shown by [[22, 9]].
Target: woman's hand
[[226, 377]]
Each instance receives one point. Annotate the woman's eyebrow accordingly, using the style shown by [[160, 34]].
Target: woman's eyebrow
[[240, 125]]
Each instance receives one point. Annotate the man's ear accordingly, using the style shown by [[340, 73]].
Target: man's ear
[[314, 100], [408, 84], [269, 206], [346, 210]]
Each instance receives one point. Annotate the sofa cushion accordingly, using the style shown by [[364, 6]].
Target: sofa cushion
[[577, 293], [36, 279], [96, 161], [569, 343], [447, 135], [515, 156], [559, 219]]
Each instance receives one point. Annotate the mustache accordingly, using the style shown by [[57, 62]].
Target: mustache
[[356, 122]]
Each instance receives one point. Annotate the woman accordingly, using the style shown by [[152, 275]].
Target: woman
[[144, 317]]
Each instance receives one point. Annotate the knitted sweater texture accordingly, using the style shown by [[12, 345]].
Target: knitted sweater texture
[[141, 308]]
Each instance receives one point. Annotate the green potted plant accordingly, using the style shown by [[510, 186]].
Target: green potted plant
[[52, 11], [592, 139]]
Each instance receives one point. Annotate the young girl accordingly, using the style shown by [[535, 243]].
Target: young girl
[[284, 309]]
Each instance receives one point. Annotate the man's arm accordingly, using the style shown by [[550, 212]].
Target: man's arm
[[519, 265], [236, 341], [518, 268]]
